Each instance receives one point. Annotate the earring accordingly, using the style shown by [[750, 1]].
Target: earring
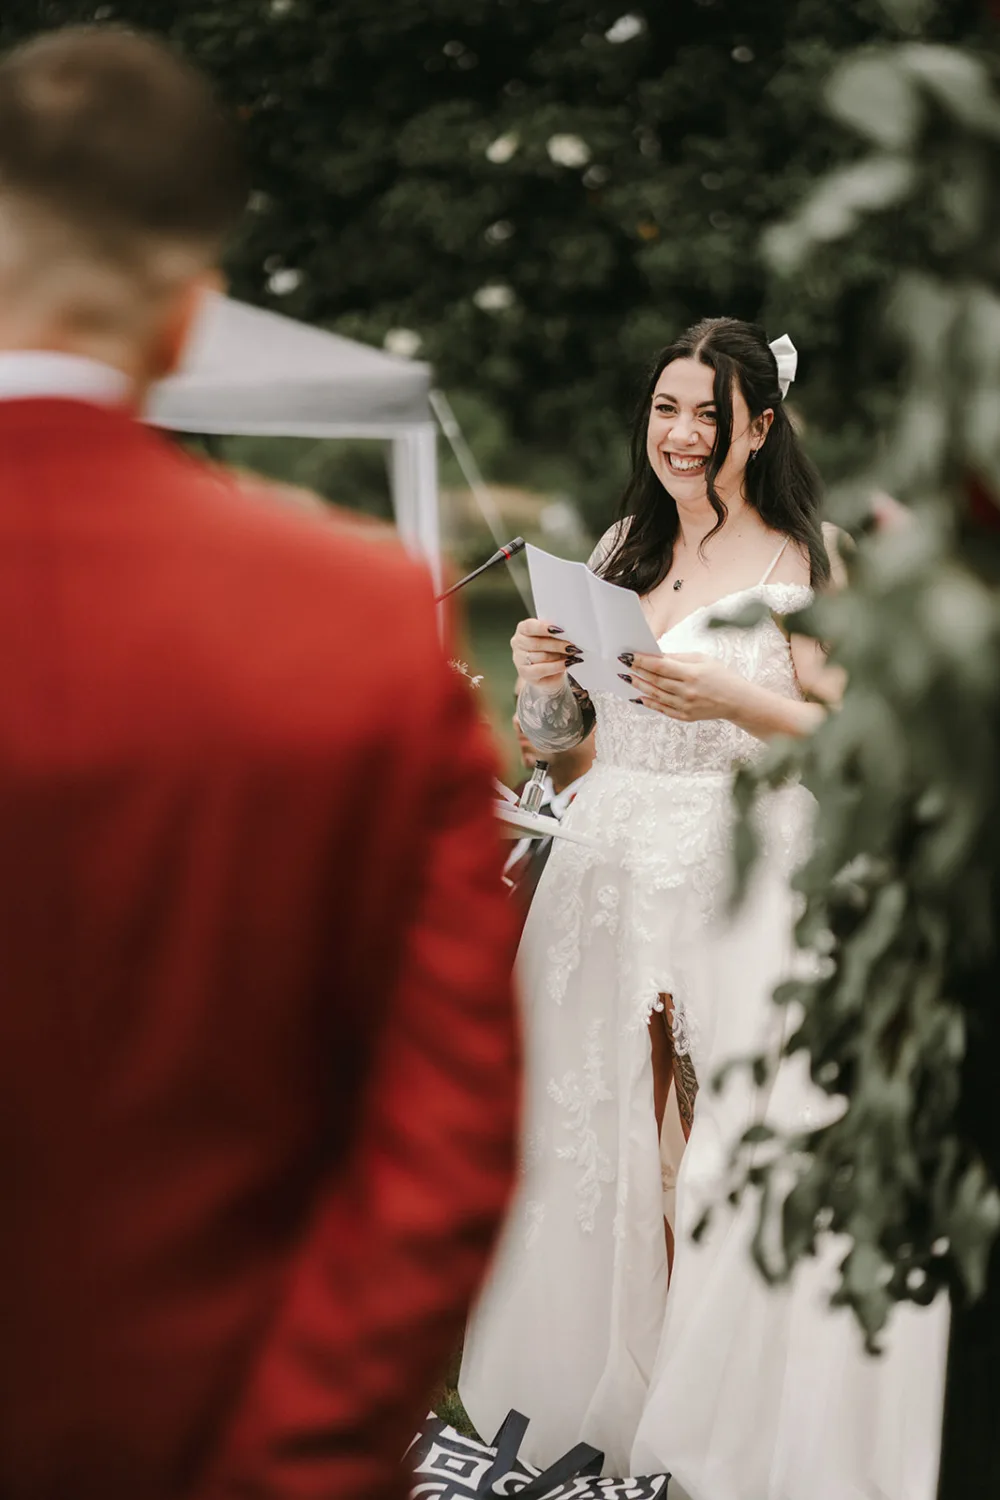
[[753, 453]]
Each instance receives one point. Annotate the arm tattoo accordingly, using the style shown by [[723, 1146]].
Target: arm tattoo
[[555, 721]]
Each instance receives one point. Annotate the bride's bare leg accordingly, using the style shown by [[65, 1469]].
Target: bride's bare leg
[[663, 1064], [671, 1071], [662, 1052]]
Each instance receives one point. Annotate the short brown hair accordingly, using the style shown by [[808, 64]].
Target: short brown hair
[[111, 133]]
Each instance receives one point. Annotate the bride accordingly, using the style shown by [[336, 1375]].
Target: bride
[[640, 985]]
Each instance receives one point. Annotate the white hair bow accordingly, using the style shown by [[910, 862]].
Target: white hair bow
[[787, 357]]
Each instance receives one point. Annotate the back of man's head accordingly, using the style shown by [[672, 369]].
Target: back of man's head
[[119, 174]]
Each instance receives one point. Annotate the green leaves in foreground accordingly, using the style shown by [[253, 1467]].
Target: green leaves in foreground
[[897, 903], [900, 894]]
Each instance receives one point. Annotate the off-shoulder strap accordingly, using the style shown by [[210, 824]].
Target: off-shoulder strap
[[775, 561]]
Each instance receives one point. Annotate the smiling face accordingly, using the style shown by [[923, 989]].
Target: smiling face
[[681, 432]]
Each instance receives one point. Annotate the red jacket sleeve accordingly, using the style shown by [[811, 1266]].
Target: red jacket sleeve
[[376, 1299]]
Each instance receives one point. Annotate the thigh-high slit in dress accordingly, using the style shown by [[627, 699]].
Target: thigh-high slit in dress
[[743, 1391]]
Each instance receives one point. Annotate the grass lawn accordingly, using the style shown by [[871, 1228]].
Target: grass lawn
[[489, 625], [448, 1405]]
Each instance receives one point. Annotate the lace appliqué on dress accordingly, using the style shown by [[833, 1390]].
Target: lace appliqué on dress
[[579, 1094], [534, 1218], [608, 898], [564, 879], [531, 1151], [680, 1027], [652, 742]]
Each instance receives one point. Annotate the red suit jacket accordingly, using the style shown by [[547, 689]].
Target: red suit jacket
[[257, 1049]]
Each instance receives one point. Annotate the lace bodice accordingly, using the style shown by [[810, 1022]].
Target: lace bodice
[[640, 741]]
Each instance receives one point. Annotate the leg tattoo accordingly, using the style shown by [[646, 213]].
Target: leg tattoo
[[685, 1078]]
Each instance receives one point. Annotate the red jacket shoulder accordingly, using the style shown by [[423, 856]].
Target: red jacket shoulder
[[327, 558]]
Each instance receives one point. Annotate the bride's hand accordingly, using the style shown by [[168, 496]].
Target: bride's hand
[[541, 656], [685, 686]]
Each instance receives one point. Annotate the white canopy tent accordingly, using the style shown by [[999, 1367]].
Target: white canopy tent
[[249, 371]]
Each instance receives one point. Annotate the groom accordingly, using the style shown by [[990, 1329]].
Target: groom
[[257, 1048]]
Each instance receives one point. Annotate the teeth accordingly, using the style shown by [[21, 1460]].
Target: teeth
[[685, 465]]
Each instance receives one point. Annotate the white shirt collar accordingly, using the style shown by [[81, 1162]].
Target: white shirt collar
[[27, 373]]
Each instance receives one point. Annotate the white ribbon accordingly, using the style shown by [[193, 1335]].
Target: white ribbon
[[787, 357]]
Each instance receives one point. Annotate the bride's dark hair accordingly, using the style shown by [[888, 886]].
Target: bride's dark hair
[[781, 483]]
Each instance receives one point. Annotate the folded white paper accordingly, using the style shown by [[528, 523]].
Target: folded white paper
[[599, 617]]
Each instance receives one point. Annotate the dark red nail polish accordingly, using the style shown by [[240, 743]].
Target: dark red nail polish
[[628, 657], [573, 661], [625, 677], [636, 700], [556, 630]]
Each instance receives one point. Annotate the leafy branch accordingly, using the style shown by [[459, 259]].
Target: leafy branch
[[899, 893]]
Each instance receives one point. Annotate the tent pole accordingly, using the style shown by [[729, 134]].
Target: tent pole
[[415, 494], [465, 458]]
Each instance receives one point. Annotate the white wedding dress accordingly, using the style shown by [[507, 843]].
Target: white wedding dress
[[742, 1391]]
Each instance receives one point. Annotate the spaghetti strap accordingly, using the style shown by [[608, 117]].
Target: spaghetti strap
[[775, 561]]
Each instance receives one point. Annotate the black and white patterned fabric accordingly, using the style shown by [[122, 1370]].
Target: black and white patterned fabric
[[447, 1466]]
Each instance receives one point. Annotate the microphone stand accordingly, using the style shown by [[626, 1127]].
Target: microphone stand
[[534, 789]]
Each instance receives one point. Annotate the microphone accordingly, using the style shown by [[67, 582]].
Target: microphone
[[509, 550]]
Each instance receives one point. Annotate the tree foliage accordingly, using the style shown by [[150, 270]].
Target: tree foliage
[[901, 893], [545, 191]]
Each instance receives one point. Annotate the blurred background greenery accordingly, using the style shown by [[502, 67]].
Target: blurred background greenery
[[535, 195]]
